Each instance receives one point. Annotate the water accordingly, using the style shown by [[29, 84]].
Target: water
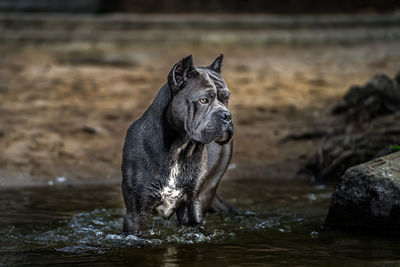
[[279, 224]]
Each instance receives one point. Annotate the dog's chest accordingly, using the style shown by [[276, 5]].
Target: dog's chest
[[187, 170]]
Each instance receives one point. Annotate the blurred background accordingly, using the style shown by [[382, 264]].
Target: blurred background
[[75, 74], [196, 6], [315, 89]]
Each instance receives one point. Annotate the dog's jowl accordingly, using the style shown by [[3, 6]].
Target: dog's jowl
[[176, 154]]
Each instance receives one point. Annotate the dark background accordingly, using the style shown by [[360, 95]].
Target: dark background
[[195, 6]]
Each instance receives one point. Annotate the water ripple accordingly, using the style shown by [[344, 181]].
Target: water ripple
[[100, 229]]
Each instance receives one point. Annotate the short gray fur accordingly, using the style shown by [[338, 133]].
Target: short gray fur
[[175, 155]]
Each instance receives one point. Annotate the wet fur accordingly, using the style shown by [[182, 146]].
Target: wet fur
[[151, 152]]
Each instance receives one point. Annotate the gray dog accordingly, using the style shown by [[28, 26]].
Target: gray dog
[[176, 154]]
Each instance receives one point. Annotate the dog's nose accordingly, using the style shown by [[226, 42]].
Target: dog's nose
[[225, 115]]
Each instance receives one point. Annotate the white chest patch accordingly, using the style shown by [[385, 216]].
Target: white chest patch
[[173, 174], [170, 195]]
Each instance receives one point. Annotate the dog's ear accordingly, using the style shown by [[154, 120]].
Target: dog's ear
[[181, 71], [217, 64]]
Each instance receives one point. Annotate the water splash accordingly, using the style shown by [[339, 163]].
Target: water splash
[[100, 230]]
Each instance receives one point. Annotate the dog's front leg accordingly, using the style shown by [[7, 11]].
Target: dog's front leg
[[138, 208], [190, 213], [134, 223]]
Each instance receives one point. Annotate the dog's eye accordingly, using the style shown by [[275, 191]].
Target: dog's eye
[[203, 101]]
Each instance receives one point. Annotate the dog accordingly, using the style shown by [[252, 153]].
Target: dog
[[175, 155]]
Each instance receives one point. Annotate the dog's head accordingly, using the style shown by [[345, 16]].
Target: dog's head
[[199, 103]]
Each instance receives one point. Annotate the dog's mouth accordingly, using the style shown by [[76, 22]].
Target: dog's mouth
[[226, 137], [222, 136]]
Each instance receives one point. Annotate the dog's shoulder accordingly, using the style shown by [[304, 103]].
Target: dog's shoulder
[[145, 135]]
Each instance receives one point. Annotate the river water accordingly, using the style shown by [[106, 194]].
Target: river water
[[280, 223]]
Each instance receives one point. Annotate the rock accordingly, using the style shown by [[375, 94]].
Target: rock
[[362, 127], [378, 97], [367, 198]]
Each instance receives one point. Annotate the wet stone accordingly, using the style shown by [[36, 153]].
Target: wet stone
[[367, 198]]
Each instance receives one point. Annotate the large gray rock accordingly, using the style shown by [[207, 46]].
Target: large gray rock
[[367, 197]]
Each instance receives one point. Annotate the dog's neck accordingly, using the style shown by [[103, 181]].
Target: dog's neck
[[187, 161], [176, 137], [173, 131], [186, 149]]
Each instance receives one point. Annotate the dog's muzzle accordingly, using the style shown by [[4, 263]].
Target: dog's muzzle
[[226, 119], [227, 136]]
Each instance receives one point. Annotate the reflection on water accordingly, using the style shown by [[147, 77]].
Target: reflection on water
[[277, 224]]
